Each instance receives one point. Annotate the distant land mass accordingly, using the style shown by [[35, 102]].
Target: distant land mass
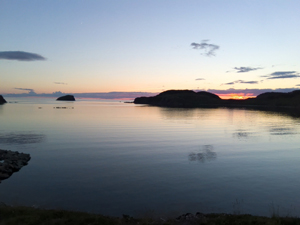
[[66, 98], [192, 99]]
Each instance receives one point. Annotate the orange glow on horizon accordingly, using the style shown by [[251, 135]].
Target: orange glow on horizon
[[236, 96]]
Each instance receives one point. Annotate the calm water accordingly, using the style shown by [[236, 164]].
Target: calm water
[[115, 158]]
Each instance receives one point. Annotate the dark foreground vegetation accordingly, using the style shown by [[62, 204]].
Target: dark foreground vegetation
[[34, 216]]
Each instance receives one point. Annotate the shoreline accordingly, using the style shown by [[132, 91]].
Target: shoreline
[[29, 215]]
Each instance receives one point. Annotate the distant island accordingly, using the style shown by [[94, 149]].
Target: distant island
[[66, 98], [192, 99]]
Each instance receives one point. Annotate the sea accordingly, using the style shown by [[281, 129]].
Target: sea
[[116, 158]]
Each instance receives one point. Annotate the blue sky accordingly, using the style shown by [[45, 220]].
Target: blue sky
[[146, 45]]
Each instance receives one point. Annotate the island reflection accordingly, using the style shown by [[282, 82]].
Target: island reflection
[[21, 138], [205, 154]]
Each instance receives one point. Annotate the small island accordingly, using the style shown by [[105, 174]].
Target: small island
[[2, 100], [66, 98], [192, 99]]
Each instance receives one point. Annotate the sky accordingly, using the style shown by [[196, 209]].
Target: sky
[[149, 46]]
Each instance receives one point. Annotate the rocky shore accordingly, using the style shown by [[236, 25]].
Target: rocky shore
[[10, 162]]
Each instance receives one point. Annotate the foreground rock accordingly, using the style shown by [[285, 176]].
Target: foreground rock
[[11, 162], [2, 100], [66, 98]]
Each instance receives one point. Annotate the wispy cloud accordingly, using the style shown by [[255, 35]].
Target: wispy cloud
[[20, 56], [200, 79], [283, 75], [24, 89], [30, 91], [209, 49], [297, 84], [243, 69], [60, 83], [241, 82], [230, 83]]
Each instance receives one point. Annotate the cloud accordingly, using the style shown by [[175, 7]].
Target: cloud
[[282, 75], [241, 82], [246, 69], [200, 79], [24, 89], [60, 83], [30, 91], [209, 49], [230, 83], [297, 84], [20, 56]]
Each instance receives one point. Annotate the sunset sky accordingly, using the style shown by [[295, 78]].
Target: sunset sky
[[95, 46]]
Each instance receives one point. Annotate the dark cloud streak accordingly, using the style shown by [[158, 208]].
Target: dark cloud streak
[[241, 82], [209, 49], [282, 75], [24, 89], [246, 69], [20, 56]]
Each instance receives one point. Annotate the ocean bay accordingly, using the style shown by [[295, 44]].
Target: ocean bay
[[115, 158]]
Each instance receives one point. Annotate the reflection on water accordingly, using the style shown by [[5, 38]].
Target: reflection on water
[[61, 107], [171, 113], [21, 138], [96, 153], [282, 131], [205, 154], [241, 134]]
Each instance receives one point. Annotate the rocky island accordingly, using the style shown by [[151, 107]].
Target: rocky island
[[66, 98], [192, 99], [2, 100], [11, 162]]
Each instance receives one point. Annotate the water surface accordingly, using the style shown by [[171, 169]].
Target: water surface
[[115, 158]]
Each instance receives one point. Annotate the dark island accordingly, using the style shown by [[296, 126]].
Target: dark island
[[2, 100], [202, 99], [66, 98]]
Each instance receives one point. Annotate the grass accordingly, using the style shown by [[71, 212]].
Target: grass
[[13, 215]]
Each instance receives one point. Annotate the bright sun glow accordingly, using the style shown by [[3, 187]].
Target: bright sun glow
[[236, 96]]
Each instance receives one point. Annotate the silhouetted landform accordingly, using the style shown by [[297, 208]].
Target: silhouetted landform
[[66, 98], [2, 100], [11, 162], [188, 98], [181, 98]]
